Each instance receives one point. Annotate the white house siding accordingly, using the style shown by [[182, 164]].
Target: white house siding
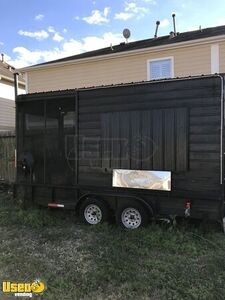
[[7, 114], [222, 57], [188, 61], [7, 91]]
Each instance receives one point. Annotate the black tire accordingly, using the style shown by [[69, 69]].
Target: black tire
[[93, 211], [135, 210]]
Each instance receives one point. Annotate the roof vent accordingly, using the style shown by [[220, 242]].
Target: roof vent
[[174, 24], [156, 30], [172, 35], [2, 59]]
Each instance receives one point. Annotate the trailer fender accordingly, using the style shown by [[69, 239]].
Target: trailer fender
[[148, 205], [85, 196]]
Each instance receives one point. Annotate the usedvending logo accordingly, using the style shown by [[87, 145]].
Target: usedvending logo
[[24, 289]]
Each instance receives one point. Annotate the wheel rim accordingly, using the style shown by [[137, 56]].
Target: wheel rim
[[131, 218], [93, 214]]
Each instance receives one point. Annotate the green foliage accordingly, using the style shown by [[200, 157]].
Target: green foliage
[[105, 262], [12, 213], [33, 217]]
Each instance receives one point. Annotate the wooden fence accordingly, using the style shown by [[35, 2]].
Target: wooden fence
[[7, 156]]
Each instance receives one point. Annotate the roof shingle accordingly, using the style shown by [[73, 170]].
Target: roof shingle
[[153, 42]]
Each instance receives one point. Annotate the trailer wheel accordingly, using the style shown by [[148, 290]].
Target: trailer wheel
[[93, 211], [132, 216]]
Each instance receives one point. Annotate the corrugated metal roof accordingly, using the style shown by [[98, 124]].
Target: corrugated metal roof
[[72, 91], [153, 42]]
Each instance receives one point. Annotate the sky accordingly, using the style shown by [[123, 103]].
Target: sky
[[35, 31]]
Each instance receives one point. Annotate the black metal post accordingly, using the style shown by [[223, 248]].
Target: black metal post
[[16, 87], [76, 135]]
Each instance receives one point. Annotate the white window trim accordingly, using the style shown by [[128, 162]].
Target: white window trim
[[158, 59], [215, 58], [26, 83]]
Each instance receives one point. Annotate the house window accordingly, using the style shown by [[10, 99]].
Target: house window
[[160, 68]]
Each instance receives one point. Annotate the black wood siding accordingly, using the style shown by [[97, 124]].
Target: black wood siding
[[155, 140], [181, 123], [170, 125]]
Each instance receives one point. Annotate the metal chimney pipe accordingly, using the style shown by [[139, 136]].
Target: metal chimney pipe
[[156, 30], [174, 24], [16, 85], [2, 55]]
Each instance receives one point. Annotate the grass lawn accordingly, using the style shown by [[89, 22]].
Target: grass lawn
[[105, 262]]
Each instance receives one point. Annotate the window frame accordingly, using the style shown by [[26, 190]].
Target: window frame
[[171, 58]]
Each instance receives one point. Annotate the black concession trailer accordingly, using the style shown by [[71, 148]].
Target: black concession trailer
[[134, 151]]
